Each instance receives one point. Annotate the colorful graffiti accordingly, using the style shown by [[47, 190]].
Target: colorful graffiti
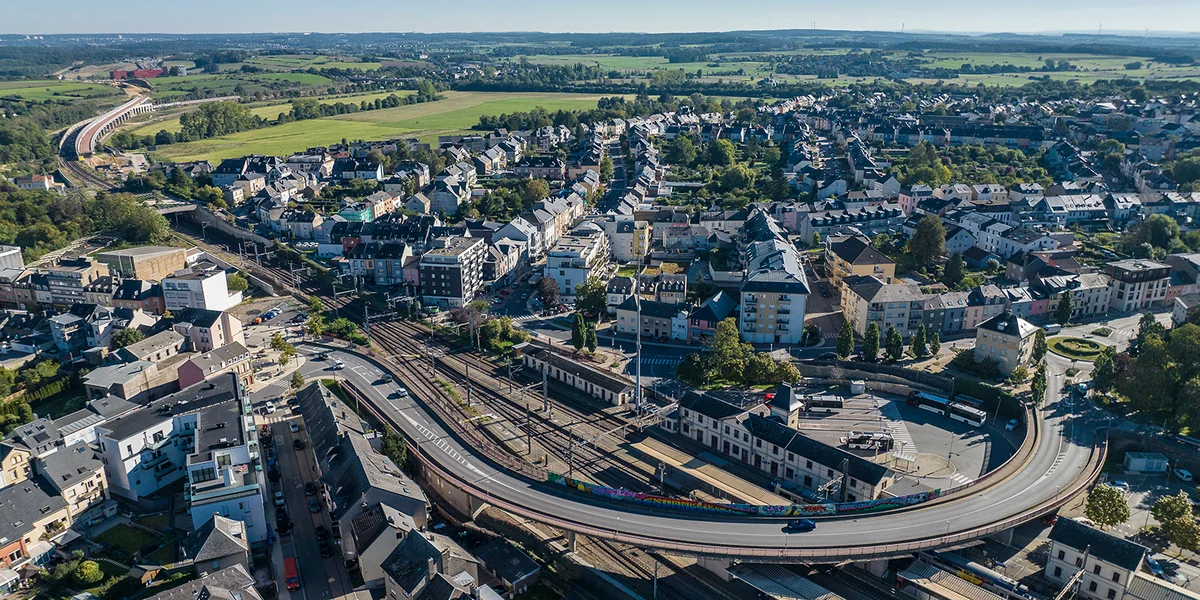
[[786, 510]]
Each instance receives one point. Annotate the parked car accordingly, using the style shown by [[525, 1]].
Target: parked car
[[314, 505], [1011, 425], [1120, 485], [1183, 474], [265, 431], [326, 549], [297, 444], [828, 356], [279, 499], [1050, 519], [1154, 566], [322, 533], [270, 407], [310, 489], [800, 526], [294, 426]]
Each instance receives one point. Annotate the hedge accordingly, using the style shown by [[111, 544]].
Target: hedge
[[47, 390], [997, 401]]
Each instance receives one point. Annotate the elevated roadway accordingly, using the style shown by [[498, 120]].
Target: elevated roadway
[[1064, 462], [90, 134]]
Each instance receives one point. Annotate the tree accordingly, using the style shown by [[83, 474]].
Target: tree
[[894, 343], [88, 573], [786, 371], [284, 359], [1104, 374], [277, 342], [681, 151], [691, 370], [1184, 532], [737, 177], [393, 446], [1148, 327], [535, 190], [721, 153], [1019, 374], [236, 282], [727, 354], [591, 297], [1039, 346], [578, 332], [297, 380], [918, 345], [592, 343], [125, 337], [870, 347], [935, 344], [1039, 385], [606, 169], [1106, 506], [816, 239], [1065, 308], [954, 271], [1170, 508], [315, 306], [760, 369], [316, 325], [929, 239], [845, 340], [547, 291]]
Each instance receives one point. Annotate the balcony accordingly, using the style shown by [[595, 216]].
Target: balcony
[[750, 309], [783, 310]]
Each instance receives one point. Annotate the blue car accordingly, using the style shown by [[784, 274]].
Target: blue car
[[800, 526], [1154, 566]]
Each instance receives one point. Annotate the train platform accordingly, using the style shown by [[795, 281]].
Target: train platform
[[702, 474]]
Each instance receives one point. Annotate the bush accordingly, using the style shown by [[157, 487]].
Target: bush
[[964, 361], [1102, 331], [88, 573]]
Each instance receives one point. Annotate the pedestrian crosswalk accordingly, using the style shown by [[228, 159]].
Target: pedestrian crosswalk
[[960, 479], [525, 318], [895, 424], [670, 361], [829, 335]]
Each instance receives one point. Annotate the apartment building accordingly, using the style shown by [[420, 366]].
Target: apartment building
[[69, 278], [869, 299], [582, 253], [1111, 562], [628, 238], [206, 330], [1091, 294], [854, 256], [189, 288], [657, 319], [1137, 283], [140, 294], [1006, 339], [151, 263], [452, 274], [230, 358]]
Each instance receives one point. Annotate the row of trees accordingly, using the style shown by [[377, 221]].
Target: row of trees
[[921, 345], [1106, 506], [730, 361], [1159, 373], [40, 222]]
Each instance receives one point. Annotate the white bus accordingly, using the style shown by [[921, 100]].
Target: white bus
[[966, 413], [869, 440]]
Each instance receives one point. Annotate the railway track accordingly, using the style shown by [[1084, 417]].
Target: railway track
[[600, 463]]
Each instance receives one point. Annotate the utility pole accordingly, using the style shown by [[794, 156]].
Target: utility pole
[[367, 322], [545, 393], [468, 384], [656, 580], [637, 300]]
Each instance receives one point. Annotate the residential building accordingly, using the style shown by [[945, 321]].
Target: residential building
[[138, 381], [1091, 294], [32, 517], [10, 257], [429, 565], [544, 167], [581, 254], [854, 256], [1006, 339], [774, 291], [76, 474], [150, 263], [218, 545], [230, 358], [190, 288], [1137, 283], [208, 329], [702, 322], [39, 183], [655, 321], [69, 277], [452, 274], [230, 583], [628, 238], [869, 299]]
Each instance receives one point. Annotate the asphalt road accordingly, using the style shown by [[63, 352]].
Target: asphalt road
[[1063, 452]]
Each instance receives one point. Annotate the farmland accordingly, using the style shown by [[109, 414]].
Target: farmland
[[266, 111], [300, 62], [53, 90], [172, 88], [456, 113]]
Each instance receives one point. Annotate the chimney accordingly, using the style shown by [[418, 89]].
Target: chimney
[[432, 569]]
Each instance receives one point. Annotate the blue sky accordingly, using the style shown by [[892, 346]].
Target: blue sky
[[220, 16]]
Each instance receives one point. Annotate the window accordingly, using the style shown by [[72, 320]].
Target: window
[[1058, 572], [829, 472], [1112, 594], [1116, 577], [1096, 569], [808, 464], [1092, 586]]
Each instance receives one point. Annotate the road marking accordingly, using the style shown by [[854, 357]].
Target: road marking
[[897, 427]]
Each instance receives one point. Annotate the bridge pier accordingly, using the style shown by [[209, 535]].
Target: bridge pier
[[875, 567], [1004, 537], [719, 566], [571, 539]]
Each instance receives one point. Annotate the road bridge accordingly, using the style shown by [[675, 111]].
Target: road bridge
[[89, 135], [1063, 460]]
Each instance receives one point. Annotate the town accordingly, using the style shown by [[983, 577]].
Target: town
[[855, 340]]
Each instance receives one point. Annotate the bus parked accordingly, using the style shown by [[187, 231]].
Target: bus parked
[[929, 402], [964, 412], [880, 441]]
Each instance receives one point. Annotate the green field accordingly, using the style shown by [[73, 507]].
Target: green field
[[300, 62], [268, 111], [53, 90], [227, 85], [455, 114]]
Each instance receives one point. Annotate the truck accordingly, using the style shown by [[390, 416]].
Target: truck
[[291, 574]]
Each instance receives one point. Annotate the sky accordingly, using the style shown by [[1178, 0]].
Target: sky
[[247, 16]]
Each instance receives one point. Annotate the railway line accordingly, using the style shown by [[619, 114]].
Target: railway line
[[599, 462]]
